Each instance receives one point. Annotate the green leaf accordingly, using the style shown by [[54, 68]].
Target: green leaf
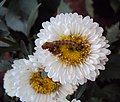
[[3, 11], [63, 8], [27, 6], [113, 33], [13, 17], [24, 47], [3, 44], [18, 14], [2, 3], [8, 41], [115, 4], [31, 48], [5, 65], [80, 91], [32, 17], [89, 7], [3, 30]]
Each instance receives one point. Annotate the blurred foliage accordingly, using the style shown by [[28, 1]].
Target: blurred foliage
[[115, 4], [63, 8], [19, 17], [113, 33], [89, 7], [2, 2], [20, 21]]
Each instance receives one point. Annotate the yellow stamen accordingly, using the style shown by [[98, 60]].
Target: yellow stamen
[[69, 55], [43, 85]]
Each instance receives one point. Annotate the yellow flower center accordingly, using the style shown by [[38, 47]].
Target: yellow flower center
[[43, 85], [71, 49], [69, 54]]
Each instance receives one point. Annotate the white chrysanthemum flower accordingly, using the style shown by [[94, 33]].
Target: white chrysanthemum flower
[[30, 86], [72, 48], [65, 100], [8, 83], [74, 100]]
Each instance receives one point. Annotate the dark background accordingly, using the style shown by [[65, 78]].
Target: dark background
[[21, 20]]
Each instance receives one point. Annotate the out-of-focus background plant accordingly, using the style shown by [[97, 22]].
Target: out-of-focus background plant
[[20, 21]]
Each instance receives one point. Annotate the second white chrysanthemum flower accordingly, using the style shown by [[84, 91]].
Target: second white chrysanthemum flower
[[72, 48], [25, 81]]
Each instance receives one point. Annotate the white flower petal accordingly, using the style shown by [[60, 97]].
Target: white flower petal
[[74, 100]]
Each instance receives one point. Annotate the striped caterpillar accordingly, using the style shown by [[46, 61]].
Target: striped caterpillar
[[54, 46]]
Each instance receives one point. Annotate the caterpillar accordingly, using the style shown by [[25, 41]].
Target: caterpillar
[[54, 46]]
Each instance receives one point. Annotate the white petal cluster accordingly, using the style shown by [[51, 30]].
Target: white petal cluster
[[74, 100], [65, 24], [16, 83], [8, 83]]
